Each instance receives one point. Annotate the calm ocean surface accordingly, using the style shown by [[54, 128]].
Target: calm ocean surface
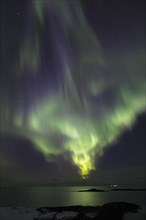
[[67, 196]]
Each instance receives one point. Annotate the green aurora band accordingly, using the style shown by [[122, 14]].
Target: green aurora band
[[68, 121]]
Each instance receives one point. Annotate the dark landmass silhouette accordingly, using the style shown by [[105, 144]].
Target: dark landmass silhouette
[[110, 190], [128, 189], [93, 190], [113, 210]]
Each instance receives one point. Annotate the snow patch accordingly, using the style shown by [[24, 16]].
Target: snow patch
[[66, 215], [47, 216], [91, 215], [8, 213]]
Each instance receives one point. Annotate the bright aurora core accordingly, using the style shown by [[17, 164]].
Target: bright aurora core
[[71, 98]]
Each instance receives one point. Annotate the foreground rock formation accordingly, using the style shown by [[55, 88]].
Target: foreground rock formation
[[114, 211]]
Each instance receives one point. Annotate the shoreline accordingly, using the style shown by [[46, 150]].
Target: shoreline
[[111, 190], [113, 210]]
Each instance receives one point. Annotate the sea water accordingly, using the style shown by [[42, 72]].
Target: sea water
[[69, 196]]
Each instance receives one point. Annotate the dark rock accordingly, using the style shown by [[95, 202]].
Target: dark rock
[[128, 189], [114, 211], [93, 190]]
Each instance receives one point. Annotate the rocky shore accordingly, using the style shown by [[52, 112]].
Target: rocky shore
[[114, 211]]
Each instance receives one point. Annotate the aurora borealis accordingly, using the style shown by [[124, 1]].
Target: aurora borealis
[[65, 91]]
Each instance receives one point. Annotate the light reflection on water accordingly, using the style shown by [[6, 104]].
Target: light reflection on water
[[86, 198], [65, 196]]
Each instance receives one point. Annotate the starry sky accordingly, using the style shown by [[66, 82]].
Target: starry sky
[[72, 92]]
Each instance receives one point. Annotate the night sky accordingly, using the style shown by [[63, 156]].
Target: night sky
[[72, 93]]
